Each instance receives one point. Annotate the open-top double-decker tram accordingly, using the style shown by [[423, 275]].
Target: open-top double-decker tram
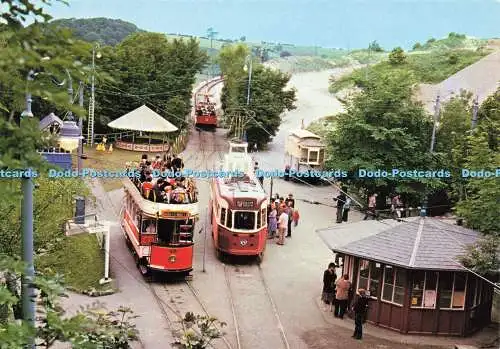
[[205, 110], [239, 207], [160, 232]]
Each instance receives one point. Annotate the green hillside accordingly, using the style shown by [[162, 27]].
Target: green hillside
[[107, 31], [430, 63]]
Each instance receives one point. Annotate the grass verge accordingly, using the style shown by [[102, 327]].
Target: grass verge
[[80, 260]]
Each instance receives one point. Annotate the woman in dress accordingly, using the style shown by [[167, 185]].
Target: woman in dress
[[273, 222]]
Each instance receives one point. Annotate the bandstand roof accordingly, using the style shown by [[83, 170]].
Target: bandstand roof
[[50, 120], [143, 119], [417, 243]]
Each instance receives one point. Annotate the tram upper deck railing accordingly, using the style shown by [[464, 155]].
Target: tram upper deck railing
[[159, 209]]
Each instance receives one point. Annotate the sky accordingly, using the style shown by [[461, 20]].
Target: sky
[[329, 23]]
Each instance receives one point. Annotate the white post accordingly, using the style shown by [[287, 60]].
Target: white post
[[107, 239]]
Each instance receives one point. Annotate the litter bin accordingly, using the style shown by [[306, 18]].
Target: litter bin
[[80, 210]]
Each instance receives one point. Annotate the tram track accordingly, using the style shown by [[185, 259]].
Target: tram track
[[253, 309], [249, 305]]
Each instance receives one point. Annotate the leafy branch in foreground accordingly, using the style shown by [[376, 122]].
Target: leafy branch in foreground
[[91, 327], [198, 331]]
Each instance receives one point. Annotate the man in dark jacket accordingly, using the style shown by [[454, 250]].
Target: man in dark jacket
[[340, 204], [329, 278], [360, 308]]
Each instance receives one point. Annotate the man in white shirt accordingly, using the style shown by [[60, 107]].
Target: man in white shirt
[[282, 227]]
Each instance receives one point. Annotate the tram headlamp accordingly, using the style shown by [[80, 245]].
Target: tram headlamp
[[243, 242], [172, 258]]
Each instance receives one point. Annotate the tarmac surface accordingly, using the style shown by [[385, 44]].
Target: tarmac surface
[[273, 306]]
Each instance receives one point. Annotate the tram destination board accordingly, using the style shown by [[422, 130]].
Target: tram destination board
[[245, 203], [174, 214]]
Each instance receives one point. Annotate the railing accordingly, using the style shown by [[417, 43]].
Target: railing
[[67, 224]]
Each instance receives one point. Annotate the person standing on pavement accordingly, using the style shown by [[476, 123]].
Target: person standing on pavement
[[329, 278], [345, 209], [282, 227], [360, 308], [372, 204], [289, 212], [273, 221], [340, 199], [342, 296], [290, 201]]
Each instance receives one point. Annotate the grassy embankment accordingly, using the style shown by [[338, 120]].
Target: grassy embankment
[[80, 260]]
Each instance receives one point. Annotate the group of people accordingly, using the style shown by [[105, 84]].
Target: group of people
[[205, 109], [338, 295], [282, 213], [397, 207], [343, 205], [170, 190]]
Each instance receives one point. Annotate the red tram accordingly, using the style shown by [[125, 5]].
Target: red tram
[[205, 112], [160, 235], [239, 207]]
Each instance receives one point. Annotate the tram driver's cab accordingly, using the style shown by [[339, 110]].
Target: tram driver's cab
[[166, 232]]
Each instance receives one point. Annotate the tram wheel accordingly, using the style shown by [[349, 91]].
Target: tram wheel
[[260, 257], [221, 256]]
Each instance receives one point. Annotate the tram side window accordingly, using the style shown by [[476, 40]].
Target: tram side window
[[259, 220], [223, 216], [264, 216], [149, 226], [244, 220], [229, 218]]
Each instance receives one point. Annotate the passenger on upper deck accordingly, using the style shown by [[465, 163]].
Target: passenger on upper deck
[[169, 190]]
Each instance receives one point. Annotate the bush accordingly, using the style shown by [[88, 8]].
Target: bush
[[397, 56], [285, 54]]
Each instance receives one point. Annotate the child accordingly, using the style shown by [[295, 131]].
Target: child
[[295, 217]]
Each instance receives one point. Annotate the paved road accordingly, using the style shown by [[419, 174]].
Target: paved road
[[481, 78]]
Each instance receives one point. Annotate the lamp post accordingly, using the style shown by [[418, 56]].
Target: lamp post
[[248, 61], [27, 290]]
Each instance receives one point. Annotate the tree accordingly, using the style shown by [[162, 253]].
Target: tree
[[149, 69], [243, 38], [480, 207], [397, 56], [268, 97], [92, 327], [482, 257], [375, 47], [284, 54], [383, 128], [417, 46]]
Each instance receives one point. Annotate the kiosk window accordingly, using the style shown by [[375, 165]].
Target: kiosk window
[[244, 220]]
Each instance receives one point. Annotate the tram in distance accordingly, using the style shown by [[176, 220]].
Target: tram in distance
[[239, 207], [160, 233], [205, 112]]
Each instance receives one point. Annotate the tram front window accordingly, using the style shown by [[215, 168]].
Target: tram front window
[[166, 229], [244, 220]]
